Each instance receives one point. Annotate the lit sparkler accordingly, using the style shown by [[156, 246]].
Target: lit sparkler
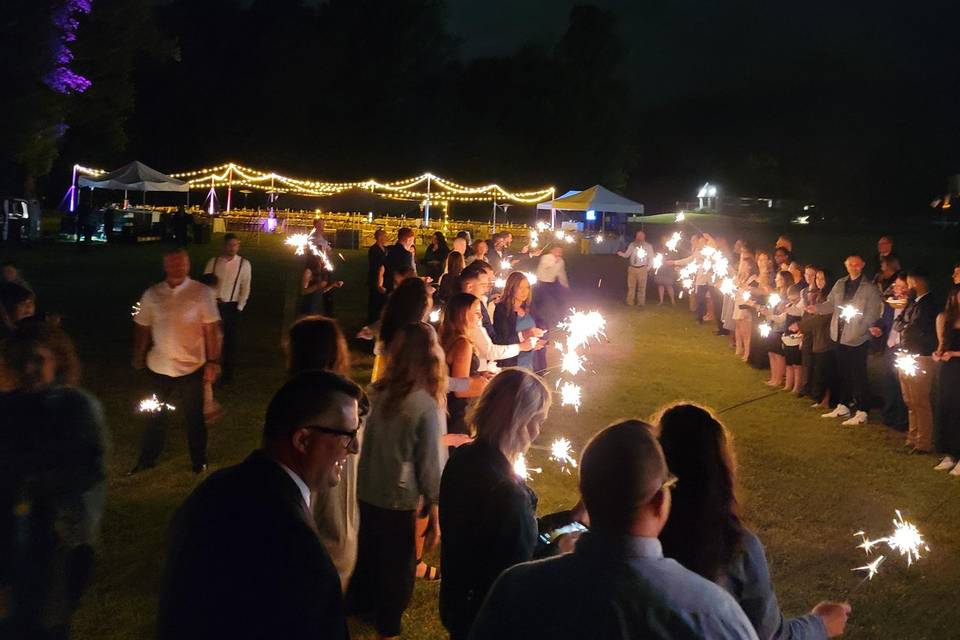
[[569, 239], [764, 329], [582, 327], [907, 363], [559, 234], [687, 283], [680, 217], [774, 299], [153, 405], [300, 241], [435, 315], [871, 568], [848, 312], [570, 395], [745, 296], [727, 287], [499, 283], [341, 257], [521, 470], [135, 309], [572, 362], [505, 264], [674, 240], [657, 262], [542, 226], [598, 239], [641, 253], [531, 277], [562, 451]]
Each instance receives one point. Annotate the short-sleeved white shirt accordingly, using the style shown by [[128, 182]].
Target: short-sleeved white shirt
[[176, 317]]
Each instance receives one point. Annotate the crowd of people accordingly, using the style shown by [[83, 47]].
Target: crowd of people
[[816, 334], [333, 515]]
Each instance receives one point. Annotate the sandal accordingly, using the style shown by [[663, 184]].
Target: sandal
[[429, 572]]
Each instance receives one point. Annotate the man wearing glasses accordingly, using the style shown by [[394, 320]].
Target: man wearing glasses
[[244, 559], [616, 583]]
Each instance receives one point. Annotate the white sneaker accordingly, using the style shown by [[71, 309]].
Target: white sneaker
[[946, 464], [841, 411], [860, 417], [815, 405], [956, 471]]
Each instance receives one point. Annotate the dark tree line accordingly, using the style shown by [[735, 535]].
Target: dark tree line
[[847, 105]]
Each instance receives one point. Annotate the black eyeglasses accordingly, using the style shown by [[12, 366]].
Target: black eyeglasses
[[352, 435]]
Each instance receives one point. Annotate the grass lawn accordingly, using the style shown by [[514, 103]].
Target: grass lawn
[[807, 484]]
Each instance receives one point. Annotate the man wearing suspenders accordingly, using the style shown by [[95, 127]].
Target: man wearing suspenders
[[233, 273]]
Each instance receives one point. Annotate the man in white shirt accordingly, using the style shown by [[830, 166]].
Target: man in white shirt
[[552, 285], [233, 275], [177, 338], [639, 254]]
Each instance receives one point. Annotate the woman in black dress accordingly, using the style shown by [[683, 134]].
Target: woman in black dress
[[450, 280], [461, 311], [435, 255], [316, 281], [948, 401]]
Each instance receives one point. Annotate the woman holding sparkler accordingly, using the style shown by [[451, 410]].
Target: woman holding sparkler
[[704, 532], [665, 277], [410, 302], [316, 282], [487, 512], [743, 314], [815, 328], [399, 475], [513, 321], [775, 315], [948, 354], [462, 311]]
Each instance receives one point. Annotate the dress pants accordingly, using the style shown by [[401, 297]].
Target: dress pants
[[185, 393], [328, 303], [382, 582], [823, 375], [916, 394], [375, 302], [637, 285], [852, 367], [894, 412], [229, 320]]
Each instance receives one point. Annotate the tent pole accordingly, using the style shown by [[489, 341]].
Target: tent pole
[[494, 216], [73, 189], [229, 185], [426, 207]]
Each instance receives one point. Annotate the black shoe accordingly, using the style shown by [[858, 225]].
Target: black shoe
[[721, 332], [138, 468], [199, 468]]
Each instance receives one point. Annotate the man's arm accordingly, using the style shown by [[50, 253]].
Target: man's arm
[[141, 343], [212, 339], [210, 263], [246, 275], [380, 271]]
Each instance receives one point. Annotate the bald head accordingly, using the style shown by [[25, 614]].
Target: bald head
[[622, 472]]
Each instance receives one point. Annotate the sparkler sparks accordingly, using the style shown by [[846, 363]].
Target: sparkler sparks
[[641, 253], [153, 405], [906, 540], [521, 470], [908, 364], [542, 226], [531, 277], [774, 299], [764, 329], [871, 568], [570, 395], [135, 309], [572, 362], [680, 217], [848, 312], [745, 296], [505, 264], [301, 242], [657, 262], [559, 234], [598, 239], [435, 315], [582, 327], [499, 283], [727, 287], [562, 451], [568, 239], [674, 240]]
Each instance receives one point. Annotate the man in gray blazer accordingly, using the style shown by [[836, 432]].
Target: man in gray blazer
[[856, 305]]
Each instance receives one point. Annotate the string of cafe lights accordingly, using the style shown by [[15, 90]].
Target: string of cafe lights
[[425, 187]]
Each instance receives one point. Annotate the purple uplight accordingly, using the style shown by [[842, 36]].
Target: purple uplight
[[62, 78]]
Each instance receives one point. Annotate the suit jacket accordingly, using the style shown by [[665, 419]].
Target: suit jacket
[[244, 561], [918, 326], [866, 299]]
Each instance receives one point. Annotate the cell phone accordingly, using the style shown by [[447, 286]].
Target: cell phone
[[550, 536]]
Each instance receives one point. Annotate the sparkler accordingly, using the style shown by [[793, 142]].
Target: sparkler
[[570, 395], [572, 362], [341, 257], [581, 327], [871, 568], [135, 309], [301, 242], [674, 240], [598, 239], [531, 277], [542, 226], [505, 264], [686, 283], [657, 262], [562, 451], [774, 299], [907, 363], [848, 312], [435, 315], [764, 329], [153, 405], [568, 239], [906, 540], [680, 217], [727, 287], [521, 470], [559, 234], [641, 253], [745, 296], [499, 283]]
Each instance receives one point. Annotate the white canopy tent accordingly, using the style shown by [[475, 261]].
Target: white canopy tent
[[596, 198], [135, 176]]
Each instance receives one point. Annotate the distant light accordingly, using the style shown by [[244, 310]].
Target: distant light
[[591, 214], [712, 192]]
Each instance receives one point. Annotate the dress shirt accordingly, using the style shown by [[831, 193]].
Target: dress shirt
[[893, 337], [176, 316], [552, 269], [610, 587], [301, 485], [402, 457], [234, 277], [748, 580], [636, 260], [486, 350]]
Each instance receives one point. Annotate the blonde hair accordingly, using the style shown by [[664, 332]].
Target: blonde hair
[[415, 360], [512, 399]]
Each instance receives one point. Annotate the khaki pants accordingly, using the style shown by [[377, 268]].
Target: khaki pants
[[637, 285], [916, 395]]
